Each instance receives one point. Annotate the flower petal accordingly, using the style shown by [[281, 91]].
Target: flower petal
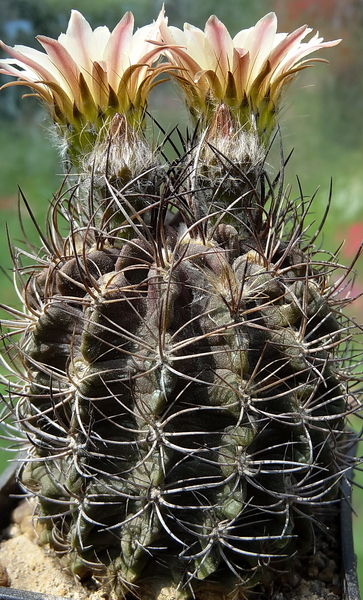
[[117, 47], [194, 41], [100, 87], [260, 44], [78, 40], [68, 73], [218, 47], [294, 57], [241, 66], [285, 46], [37, 62]]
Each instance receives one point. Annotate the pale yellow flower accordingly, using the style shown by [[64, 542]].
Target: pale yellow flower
[[86, 77], [247, 73]]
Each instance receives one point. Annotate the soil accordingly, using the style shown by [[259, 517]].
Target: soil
[[30, 566], [27, 565]]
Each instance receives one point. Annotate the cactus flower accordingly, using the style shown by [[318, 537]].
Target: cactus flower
[[86, 77], [247, 73]]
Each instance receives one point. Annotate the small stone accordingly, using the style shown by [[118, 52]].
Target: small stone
[[313, 571], [294, 579], [326, 575], [61, 591], [4, 578], [21, 512], [336, 580], [332, 565], [319, 561]]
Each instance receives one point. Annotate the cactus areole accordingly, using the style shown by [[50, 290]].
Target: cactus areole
[[180, 370]]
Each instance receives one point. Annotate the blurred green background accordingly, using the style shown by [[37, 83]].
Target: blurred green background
[[322, 121]]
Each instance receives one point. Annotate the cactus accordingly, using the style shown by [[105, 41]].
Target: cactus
[[183, 365]]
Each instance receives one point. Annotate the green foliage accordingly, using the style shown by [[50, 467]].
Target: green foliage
[[28, 162]]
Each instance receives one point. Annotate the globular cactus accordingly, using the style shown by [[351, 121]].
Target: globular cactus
[[183, 368]]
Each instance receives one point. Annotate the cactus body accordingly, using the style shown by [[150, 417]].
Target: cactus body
[[184, 383]]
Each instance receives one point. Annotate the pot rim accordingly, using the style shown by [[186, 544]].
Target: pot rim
[[349, 560]]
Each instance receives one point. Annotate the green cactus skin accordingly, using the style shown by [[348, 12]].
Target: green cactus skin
[[185, 384]]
